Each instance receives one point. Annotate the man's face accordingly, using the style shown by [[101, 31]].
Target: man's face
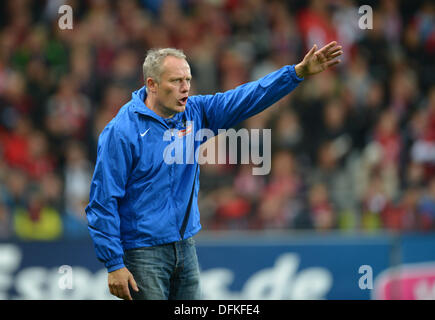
[[173, 88]]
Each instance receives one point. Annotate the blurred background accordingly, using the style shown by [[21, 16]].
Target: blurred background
[[353, 148]]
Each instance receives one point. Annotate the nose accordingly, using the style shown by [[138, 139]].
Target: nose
[[185, 86]]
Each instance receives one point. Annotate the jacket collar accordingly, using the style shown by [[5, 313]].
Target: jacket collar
[[138, 98]]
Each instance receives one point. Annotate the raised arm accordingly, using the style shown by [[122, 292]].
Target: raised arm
[[225, 110]]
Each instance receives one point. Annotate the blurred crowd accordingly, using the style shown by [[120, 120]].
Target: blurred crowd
[[353, 148]]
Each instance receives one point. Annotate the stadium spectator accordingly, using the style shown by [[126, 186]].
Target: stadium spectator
[[67, 111], [320, 208], [279, 202], [403, 216], [77, 176], [374, 202]]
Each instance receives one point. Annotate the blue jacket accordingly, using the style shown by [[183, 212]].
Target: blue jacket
[[137, 199]]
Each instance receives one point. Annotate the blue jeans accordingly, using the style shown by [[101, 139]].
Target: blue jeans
[[168, 271]]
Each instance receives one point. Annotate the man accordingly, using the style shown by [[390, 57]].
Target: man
[[143, 209]]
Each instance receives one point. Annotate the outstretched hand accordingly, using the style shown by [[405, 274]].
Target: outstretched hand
[[316, 61]]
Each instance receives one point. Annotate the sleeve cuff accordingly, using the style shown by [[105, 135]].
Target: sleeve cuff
[[114, 264], [294, 75]]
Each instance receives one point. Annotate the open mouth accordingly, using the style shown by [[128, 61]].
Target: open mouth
[[183, 100]]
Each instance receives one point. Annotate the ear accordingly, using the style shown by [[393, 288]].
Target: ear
[[151, 85]]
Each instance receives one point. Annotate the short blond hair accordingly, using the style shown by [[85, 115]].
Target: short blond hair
[[152, 66]]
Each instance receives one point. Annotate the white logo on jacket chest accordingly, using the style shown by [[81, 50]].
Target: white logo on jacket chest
[[143, 134]]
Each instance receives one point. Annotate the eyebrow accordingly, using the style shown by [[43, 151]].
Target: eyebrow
[[178, 78]]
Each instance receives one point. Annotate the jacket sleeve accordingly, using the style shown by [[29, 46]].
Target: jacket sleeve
[[225, 110], [114, 160]]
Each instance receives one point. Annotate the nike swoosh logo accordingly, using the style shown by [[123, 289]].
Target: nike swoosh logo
[[143, 134]]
